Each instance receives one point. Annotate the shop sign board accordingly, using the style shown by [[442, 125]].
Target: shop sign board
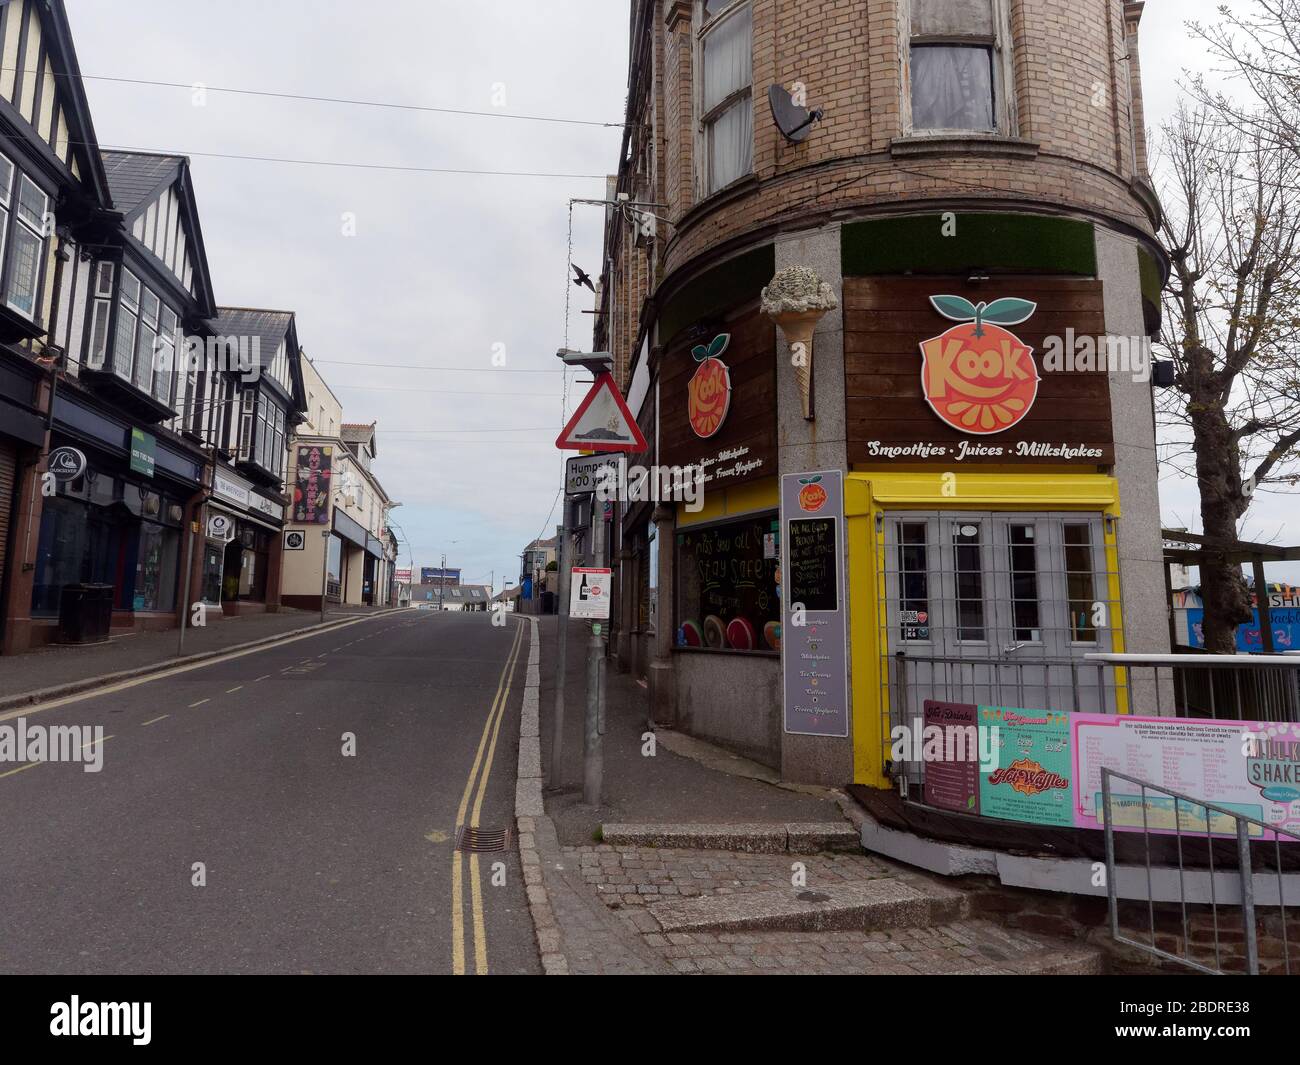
[[67, 463], [228, 488], [1032, 780], [1285, 621], [582, 472], [1249, 767], [589, 594], [1010, 378], [720, 417], [814, 622], [311, 490], [402, 576], [221, 528], [144, 449], [295, 540], [265, 506]]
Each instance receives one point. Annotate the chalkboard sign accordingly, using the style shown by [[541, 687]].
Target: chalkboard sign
[[814, 567]]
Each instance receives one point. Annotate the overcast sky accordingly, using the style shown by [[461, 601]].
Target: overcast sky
[[444, 268]]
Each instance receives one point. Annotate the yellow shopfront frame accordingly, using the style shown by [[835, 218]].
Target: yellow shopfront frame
[[870, 494]]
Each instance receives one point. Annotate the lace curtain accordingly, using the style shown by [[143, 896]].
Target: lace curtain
[[952, 87]]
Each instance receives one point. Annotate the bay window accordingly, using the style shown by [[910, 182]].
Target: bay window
[[726, 80]]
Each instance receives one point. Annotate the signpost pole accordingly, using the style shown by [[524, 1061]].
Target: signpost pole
[[592, 754], [562, 641], [324, 571], [185, 583]]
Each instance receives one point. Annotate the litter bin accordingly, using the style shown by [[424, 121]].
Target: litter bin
[[85, 613]]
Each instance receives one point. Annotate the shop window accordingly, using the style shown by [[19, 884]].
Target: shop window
[[955, 60], [156, 568], [727, 594], [726, 59], [1080, 582], [1023, 564]]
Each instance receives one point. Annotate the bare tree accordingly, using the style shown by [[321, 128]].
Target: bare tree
[[1257, 45], [1232, 232]]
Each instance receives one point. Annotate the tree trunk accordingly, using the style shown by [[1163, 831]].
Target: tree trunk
[[1223, 591]]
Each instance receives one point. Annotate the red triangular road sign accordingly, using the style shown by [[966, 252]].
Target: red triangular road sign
[[602, 422]]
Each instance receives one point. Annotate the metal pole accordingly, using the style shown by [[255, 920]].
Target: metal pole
[[1247, 873], [561, 648], [324, 571], [592, 755], [186, 581]]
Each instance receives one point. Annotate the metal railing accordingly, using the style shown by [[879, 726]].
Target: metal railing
[[1223, 687], [1199, 812]]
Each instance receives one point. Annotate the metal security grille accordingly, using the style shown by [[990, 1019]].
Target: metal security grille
[[997, 609]]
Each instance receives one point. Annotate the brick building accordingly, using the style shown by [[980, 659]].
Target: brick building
[[970, 212]]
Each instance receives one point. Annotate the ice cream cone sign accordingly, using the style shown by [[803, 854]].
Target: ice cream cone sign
[[796, 300], [979, 377]]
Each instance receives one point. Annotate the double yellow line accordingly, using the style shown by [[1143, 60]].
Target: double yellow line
[[487, 743]]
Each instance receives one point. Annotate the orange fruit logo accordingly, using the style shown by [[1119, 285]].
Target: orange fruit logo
[[710, 388], [980, 378], [812, 496]]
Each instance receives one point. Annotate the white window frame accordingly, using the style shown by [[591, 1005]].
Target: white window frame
[[705, 119], [1004, 95], [6, 203], [41, 236]]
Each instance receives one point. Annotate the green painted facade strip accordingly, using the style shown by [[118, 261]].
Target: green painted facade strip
[[718, 290], [997, 243]]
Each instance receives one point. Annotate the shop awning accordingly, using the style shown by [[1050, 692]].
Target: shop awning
[[349, 529]]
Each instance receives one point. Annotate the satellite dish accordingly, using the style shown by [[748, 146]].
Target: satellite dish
[[794, 122]]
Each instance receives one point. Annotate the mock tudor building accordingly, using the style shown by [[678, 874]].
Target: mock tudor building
[[859, 240]]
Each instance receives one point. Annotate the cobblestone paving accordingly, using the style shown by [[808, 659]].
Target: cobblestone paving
[[627, 879]]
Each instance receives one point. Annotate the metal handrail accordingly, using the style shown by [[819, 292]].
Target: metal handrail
[[1245, 871]]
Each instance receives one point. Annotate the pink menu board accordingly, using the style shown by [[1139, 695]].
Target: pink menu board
[[1249, 767]]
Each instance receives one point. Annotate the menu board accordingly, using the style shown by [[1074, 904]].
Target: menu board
[[953, 783], [1032, 780], [814, 564], [814, 630], [1248, 767]]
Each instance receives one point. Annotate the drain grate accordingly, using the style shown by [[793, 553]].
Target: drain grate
[[482, 840]]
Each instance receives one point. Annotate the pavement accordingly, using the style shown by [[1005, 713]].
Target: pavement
[[56, 665], [287, 809], [699, 862]]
